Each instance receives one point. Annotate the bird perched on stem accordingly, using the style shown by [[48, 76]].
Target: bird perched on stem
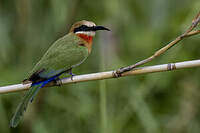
[[65, 54]]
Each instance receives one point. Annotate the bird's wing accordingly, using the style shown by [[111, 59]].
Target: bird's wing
[[62, 55]]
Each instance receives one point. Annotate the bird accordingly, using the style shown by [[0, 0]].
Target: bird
[[63, 55]]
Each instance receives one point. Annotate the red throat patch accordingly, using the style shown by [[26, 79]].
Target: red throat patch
[[87, 38]]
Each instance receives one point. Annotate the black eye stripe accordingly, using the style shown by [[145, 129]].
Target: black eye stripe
[[82, 28]]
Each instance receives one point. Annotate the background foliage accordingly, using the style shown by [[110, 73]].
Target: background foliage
[[153, 103]]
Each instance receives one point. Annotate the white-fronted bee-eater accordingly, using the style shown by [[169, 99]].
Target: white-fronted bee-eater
[[64, 54]]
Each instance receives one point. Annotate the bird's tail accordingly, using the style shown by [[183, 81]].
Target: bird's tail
[[28, 97]]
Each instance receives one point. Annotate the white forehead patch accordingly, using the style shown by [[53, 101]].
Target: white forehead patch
[[88, 33], [89, 23]]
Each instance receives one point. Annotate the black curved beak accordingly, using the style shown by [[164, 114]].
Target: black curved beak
[[95, 28]]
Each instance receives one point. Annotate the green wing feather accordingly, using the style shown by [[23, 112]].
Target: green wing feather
[[63, 54]]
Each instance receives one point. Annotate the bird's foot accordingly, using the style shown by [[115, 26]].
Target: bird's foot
[[72, 75], [58, 81]]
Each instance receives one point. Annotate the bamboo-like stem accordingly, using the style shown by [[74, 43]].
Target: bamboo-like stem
[[186, 34], [107, 75]]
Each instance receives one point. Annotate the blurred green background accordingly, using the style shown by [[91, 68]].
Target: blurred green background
[[152, 103]]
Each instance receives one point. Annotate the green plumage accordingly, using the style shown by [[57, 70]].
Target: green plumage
[[64, 54]]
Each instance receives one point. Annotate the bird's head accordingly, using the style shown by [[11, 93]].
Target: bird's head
[[86, 30], [86, 27]]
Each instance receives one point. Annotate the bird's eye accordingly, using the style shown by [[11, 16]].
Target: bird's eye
[[82, 28]]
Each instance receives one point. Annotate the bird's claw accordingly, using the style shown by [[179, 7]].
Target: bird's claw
[[72, 75]]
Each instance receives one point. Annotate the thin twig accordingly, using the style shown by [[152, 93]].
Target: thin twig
[[192, 33], [107, 75], [186, 34]]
